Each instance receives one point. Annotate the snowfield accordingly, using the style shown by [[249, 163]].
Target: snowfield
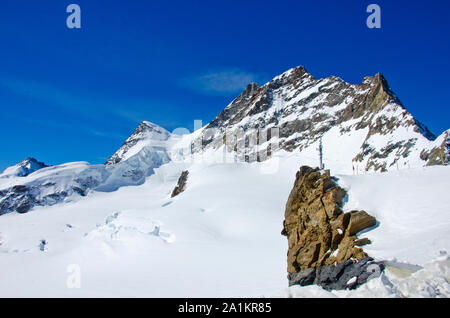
[[221, 237]]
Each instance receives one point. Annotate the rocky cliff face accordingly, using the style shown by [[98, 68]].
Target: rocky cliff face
[[304, 109], [323, 246], [440, 153]]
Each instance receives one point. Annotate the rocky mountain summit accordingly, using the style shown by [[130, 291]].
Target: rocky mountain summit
[[323, 242], [304, 110], [146, 134]]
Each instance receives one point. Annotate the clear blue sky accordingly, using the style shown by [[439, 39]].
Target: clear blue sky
[[69, 95]]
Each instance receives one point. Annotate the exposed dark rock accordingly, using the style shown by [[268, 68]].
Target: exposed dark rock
[[437, 155], [24, 205], [80, 191], [19, 189], [303, 278], [181, 184], [323, 246], [346, 275]]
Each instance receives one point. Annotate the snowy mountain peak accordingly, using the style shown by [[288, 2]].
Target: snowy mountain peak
[[24, 168], [295, 74], [145, 134], [151, 127]]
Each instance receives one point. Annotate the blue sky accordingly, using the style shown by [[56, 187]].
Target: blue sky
[[69, 95]]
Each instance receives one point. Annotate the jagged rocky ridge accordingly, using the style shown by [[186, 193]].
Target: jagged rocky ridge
[[305, 109], [323, 243]]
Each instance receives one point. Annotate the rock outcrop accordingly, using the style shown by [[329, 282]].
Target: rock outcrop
[[181, 184], [438, 155], [323, 245]]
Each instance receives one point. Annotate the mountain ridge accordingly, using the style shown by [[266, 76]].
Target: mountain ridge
[[362, 127], [305, 109]]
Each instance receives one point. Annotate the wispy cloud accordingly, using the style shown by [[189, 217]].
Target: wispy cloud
[[221, 82]]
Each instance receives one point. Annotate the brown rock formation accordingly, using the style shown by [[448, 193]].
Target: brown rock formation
[[318, 232], [181, 184]]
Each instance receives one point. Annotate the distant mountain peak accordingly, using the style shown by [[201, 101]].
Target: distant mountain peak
[[146, 133], [24, 168], [32, 160]]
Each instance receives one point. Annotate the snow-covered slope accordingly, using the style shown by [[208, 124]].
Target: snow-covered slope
[[219, 238]]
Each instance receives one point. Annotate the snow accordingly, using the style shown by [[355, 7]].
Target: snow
[[352, 280], [211, 251], [336, 252], [219, 238], [412, 206]]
